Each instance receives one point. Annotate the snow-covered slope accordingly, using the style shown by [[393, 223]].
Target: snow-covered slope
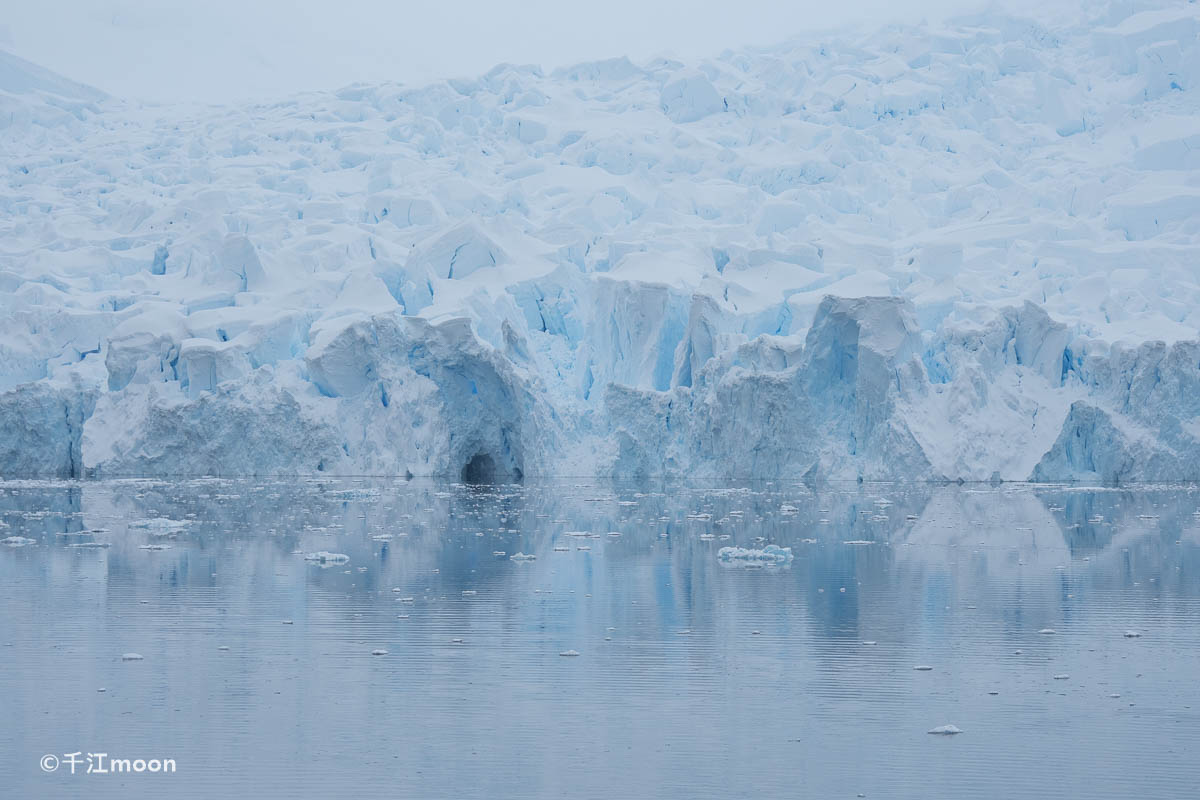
[[962, 252]]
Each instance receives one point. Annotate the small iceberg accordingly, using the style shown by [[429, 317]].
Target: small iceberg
[[945, 730], [522, 557], [379, 652], [17, 541], [771, 554], [569, 653], [131, 657]]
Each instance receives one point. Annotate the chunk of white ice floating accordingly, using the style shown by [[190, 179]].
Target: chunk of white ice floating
[[1047, 631], [522, 557], [155, 547], [771, 554], [17, 541], [379, 652], [131, 657], [945, 730], [1132, 634], [326, 557], [923, 668], [160, 526], [1062, 677], [569, 653]]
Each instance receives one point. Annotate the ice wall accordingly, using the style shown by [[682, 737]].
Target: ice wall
[[962, 252]]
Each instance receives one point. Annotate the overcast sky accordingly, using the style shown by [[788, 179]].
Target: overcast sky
[[222, 50]]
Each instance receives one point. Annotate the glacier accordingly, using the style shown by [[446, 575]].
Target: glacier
[[959, 251]]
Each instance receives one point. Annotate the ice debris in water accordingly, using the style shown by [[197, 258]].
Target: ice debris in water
[[945, 730], [326, 557], [379, 652], [17, 541], [771, 554], [1047, 631], [569, 653], [160, 526], [1132, 634], [923, 668], [522, 557], [131, 657]]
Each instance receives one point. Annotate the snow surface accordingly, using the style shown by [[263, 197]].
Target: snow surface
[[954, 251]]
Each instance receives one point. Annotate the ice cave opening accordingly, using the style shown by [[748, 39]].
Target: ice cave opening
[[480, 469]]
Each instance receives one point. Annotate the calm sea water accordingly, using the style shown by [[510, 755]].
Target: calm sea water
[[1060, 626]]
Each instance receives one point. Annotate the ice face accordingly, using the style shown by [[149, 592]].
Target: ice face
[[930, 253]]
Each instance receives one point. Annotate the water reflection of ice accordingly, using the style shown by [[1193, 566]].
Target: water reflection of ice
[[429, 625]]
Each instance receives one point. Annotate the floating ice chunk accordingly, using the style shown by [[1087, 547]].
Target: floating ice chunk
[[771, 554], [561, 548], [223, 647], [155, 547], [17, 541], [379, 652], [327, 558], [858, 542], [923, 668], [131, 657], [522, 557], [1047, 631], [1064, 676], [160, 526], [1132, 634], [945, 730], [499, 553], [569, 653]]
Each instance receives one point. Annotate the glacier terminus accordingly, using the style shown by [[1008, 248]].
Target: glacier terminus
[[951, 251]]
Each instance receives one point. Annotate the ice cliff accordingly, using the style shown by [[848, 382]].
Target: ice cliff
[[963, 251]]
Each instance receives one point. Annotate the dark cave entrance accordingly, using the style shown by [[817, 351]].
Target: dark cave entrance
[[480, 469]]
